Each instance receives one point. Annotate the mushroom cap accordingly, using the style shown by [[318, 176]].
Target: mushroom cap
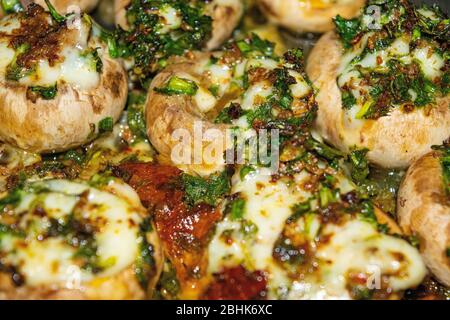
[[424, 210], [69, 119], [394, 140], [308, 16]]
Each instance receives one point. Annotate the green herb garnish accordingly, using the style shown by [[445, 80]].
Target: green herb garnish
[[210, 190], [46, 93], [360, 165], [235, 208], [323, 149], [54, 13], [148, 45], [178, 86], [106, 125], [347, 29], [135, 115]]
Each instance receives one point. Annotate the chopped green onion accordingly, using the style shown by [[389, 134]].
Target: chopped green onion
[[360, 165], [214, 89], [416, 34], [55, 15], [244, 46], [236, 209], [364, 109], [299, 210], [94, 59], [14, 72], [113, 49], [348, 99], [46, 93], [322, 149], [177, 86], [245, 171], [325, 197]]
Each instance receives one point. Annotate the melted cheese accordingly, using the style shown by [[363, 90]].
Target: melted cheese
[[357, 247], [171, 19], [76, 66], [205, 100], [268, 205], [301, 88], [352, 64], [116, 212], [353, 246], [255, 94], [430, 62]]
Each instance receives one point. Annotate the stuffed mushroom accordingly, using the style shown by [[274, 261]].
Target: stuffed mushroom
[[424, 209], [64, 239], [201, 90], [225, 16], [309, 15], [383, 83], [58, 85], [294, 228], [155, 31]]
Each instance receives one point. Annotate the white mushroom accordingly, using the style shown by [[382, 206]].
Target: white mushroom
[[58, 85], [424, 211]]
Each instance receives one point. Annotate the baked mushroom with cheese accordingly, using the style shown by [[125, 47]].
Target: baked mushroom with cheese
[[225, 15], [424, 209], [291, 228], [195, 93], [309, 15], [155, 31], [383, 84], [58, 85], [62, 239]]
